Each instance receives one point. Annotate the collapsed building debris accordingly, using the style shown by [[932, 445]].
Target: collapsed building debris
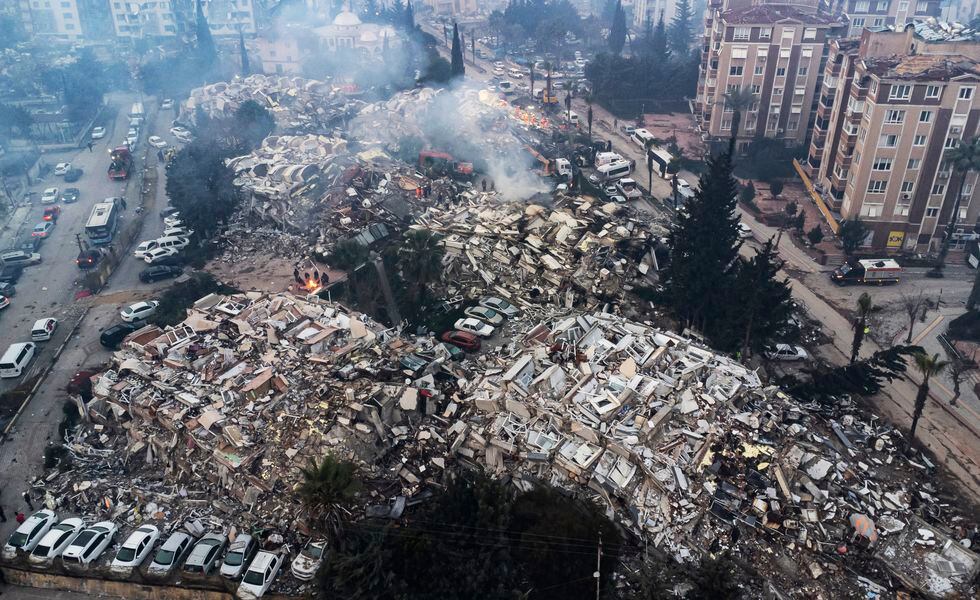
[[683, 446]]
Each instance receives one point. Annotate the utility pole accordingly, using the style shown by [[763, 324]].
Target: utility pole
[[598, 565], [81, 244]]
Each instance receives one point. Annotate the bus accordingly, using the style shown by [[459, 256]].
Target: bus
[[641, 136], [136, 111], [101, 225], [660, 159]]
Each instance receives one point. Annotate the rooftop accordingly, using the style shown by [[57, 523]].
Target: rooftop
[[922, 67], [770, 14]]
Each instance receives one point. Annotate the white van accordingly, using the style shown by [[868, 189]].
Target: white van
[[614, 170], [15, 359], [573, 118], [173, 241], [604, 158], [641, 136], [516, 73]]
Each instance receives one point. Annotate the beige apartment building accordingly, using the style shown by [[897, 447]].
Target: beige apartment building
[[777, 52], [891, 106], [876, 14]]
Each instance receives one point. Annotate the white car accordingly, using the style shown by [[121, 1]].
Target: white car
[[487, 315], [135, 549], [240, 553], [683, 184], [744, 231], [173, 220], [159, 255], [259, 575], [55, 541], [786, 352], [29, 533], [131, 138], [180, 231], [43, 329], [500, 305], [167, 104], [144, 248], [49, 196], [139, 311], [475, 326], [308, 561], [157, 141], [98, 133], [90, 544], [62, 168], [170, 554], [177, 131]]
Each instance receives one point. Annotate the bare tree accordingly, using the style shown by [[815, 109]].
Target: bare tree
[[958, 368], [913, 305]]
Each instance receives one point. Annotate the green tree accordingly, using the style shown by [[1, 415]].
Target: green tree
[[747, 193], [852, 234], [776, 187], [327, 485], [815, 235], [617, 31], [252, 123], [201, 187], [589, 115], [863, 378], [207, 52], [762, 300], [964, 159], [659, 42], [409, 20], [457, 68], [420, 261], [705, 247], [738, 99], [928, 367], [11, 32], [15, 119], [681, 28], [864, 308]]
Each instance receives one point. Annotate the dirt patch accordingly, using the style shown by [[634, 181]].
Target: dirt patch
[[261, 273]]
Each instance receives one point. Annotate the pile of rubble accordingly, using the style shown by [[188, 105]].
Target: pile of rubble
[[683, 446], [298, 105]]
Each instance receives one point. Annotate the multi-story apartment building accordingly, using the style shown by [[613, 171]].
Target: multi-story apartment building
[[644, 10], [891, 106], [166, 18], [876, 14], [777, 52]]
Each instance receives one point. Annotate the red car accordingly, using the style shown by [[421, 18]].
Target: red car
[[462, 339], [52, 213]]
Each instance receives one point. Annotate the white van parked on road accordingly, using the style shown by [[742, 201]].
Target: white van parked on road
[[15, 359]]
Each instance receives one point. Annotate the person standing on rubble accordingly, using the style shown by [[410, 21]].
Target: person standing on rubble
[[27, 499], [484, 182]]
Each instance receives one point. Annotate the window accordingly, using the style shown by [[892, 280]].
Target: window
[[67, 15], [862, 133], [877, 186], [900, 92], [951, 143], [66, 5], [967, 190], [888, 140], [901, 210], [69, 26], [965, 93], [908, 187], [882, 164], [726, 125], [789, 32], [793, 123], [862, 6], [962, 214], [871, 210], [938, 189], [735, 71], [932, 212], [882, 5], [873, 89], [802, 71], [777, 91], [925, 116], [742, 33], [765, 33], [840, 172], [914, 163], [740, 52], [732, 87], [933, 91], [758, 70], [903, 6], [878, 22], [756, 88], [857, 22], [809, 33], [919, 140], [780, 71], [894, 116]]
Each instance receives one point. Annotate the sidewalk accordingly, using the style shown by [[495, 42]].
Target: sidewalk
[[13, 225]]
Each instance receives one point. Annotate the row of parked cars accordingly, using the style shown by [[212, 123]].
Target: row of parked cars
[[43, 540], [165, 250]]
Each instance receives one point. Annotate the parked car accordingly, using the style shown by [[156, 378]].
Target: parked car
[[98, 133], [28, 245], [43, 329], [744, 231], [177, 232], [462, 339], [206, 554], [306, 564], [162, 256], [43, 229], [20, 258], [240, 554], [90, 544], [55, 541], [157, 141], [173, 220], [170, 554], [49, 196], [144, 247], [112, 336], [413, 363], [501, 306], [10, 274], [62, 168], [139, 311], [88, 259], [135, 549], [786, 352], [4, 302], [29, 533], [160, 272], [8, 289], [167, 104], [73, 175], [487, 315], [259, 575], [51, 213], [132, 136], [178, 131], [169, 212], [471, 325], [70, 195]]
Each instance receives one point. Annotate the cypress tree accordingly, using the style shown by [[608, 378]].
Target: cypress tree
[[617, 33], [704, 254], [244, 53], [206, 50], [681, 28], [457, 68], [761, 304], [660, 49], [409, 16]]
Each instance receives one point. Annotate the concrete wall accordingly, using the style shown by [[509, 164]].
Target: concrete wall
[[119, 589]]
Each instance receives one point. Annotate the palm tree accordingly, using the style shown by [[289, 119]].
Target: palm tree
[[327, 484], [928, 366], [738, 100], [964, 159], [865, 306]]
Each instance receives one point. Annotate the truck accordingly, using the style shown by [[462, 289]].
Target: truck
[[442, 163], [875, 270], [629, 189], [120, 163]]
